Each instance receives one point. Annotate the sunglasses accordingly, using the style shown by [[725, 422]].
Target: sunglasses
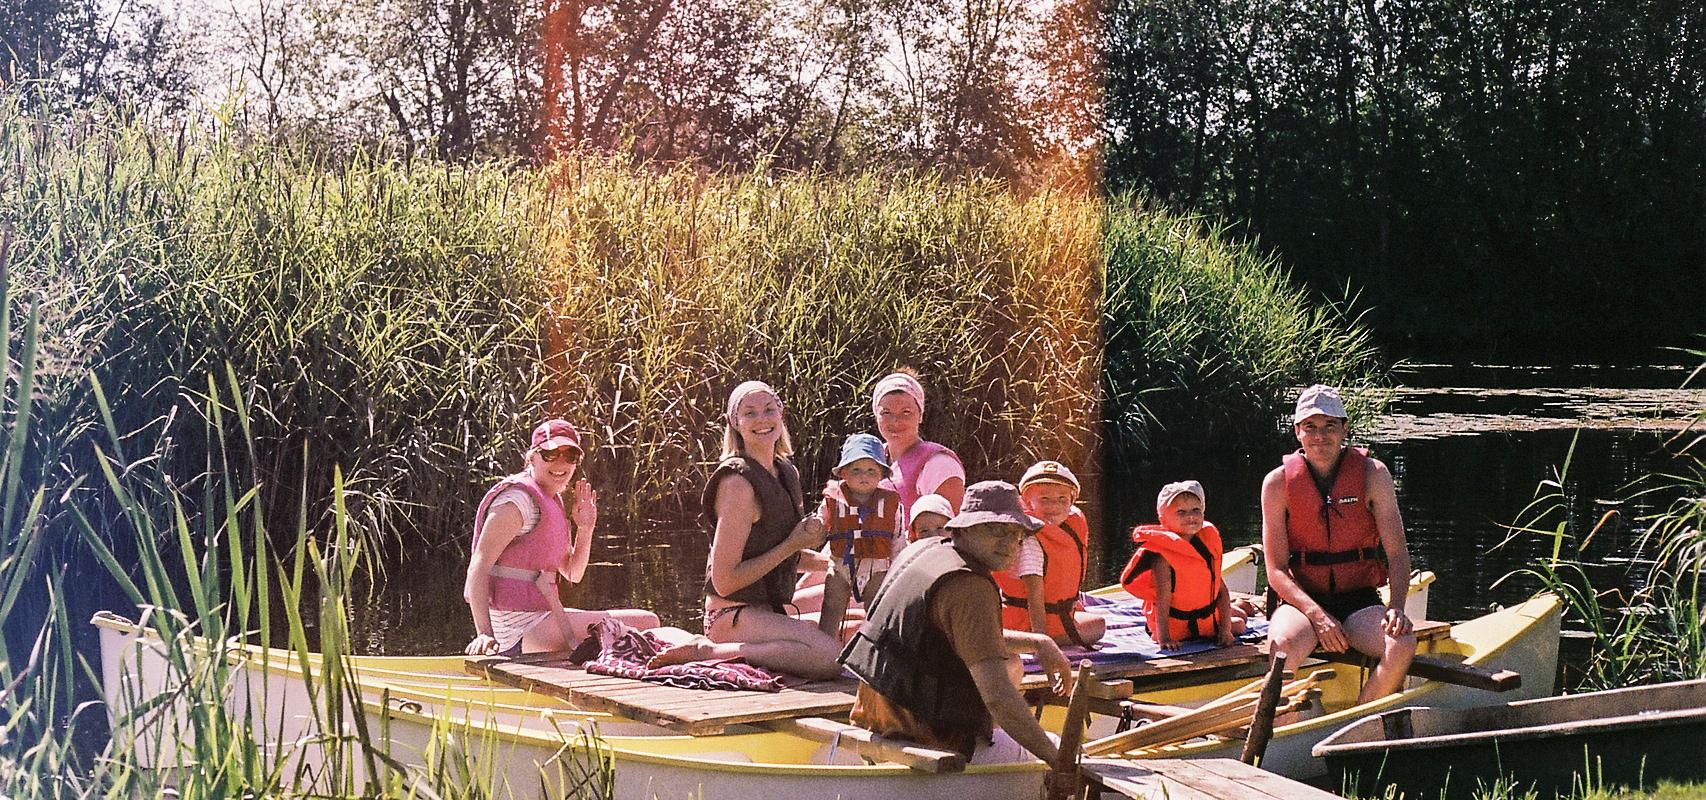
[[566, 454]]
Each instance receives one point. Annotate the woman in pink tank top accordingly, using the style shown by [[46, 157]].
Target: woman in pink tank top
[[920, 467], [524, 539]]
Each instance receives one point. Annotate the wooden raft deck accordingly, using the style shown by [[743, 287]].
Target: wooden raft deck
[[702, 713], [1194, 779], [692, 711]]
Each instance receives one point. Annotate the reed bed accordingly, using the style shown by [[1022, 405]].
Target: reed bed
[[1204, 334], [407, 321]]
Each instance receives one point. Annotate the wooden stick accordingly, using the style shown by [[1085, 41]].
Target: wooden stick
[[1262, 724], [1229, 711], [1063, 783], [866, 743]]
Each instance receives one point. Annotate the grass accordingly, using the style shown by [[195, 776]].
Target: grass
[[204, 577]]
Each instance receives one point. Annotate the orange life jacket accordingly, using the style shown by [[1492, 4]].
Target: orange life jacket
[[1194, 610], [1334, 544], [860, 531], [1064, 547]]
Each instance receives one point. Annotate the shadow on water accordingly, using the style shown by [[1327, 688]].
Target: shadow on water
[[1457, 491]]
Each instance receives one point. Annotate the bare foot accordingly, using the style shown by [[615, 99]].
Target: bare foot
[[697, 648]]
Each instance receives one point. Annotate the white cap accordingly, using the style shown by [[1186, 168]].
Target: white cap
[[1173, 490], [932, 504], [1318, 399], [1049, 472]]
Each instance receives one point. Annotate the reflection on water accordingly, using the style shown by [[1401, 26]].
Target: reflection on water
[[1457, 493]]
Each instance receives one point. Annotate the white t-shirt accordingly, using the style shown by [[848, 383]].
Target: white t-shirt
[[523, 502], [937, 471], [1030, 560]]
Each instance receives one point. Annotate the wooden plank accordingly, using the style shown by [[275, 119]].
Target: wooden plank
[[1434, 668], [693, 711], [1240, 780], [1195, 779], [1142, 779], [871, 745]]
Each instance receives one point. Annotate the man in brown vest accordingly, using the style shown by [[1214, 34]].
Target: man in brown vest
[[935, 665]]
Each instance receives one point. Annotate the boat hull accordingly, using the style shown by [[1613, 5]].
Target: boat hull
[[1627, 737]]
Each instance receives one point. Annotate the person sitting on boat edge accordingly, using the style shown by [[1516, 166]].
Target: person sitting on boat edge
[[1333, 535], [1040, 592], [523, 540], [935, 665], [754, 503], [930, 517], [1175, 571], [864, 528]]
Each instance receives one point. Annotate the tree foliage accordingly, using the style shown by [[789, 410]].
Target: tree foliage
[[1487, 171]]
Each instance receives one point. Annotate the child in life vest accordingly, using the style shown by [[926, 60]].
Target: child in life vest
[[1176, 572], [1040, 592], [864, 528]]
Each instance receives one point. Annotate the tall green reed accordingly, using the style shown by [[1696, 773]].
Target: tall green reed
[[409, 320], [1655, 629], [1205, 335]]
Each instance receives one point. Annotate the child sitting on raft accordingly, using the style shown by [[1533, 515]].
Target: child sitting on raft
[[864, 528], [1176, 572], [1040, 592]]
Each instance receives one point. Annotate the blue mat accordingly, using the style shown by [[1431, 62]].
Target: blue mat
[[1127, 639]]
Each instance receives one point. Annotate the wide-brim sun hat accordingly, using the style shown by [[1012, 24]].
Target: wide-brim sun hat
[[993, 501], [1319, 399], [861, 446]]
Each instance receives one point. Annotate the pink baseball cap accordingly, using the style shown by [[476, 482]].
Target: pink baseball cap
[[554, 433]]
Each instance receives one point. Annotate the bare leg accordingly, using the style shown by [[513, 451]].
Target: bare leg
[[765, 639], [548, 636], [836, 592], [1291, 633], [1365, 633], [1091, 627], [809, 599]]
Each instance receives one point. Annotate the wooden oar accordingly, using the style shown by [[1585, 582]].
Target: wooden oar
[[1228, 712], [871, 745]]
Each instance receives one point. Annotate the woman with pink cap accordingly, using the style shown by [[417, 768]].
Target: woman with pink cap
[[919, 467], [524, 540], [755, 504]]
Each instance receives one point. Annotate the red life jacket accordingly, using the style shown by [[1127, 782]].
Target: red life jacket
[[1334, 543], [860, 531], [537, 552], [1064, 547], [1195, 607]]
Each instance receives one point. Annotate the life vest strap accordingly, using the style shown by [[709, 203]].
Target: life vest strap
[[518, 574], [1328, 558]]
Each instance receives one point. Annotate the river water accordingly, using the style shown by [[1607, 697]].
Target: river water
[[1468, 446]]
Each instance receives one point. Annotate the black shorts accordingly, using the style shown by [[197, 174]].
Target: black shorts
[[1343, 604]]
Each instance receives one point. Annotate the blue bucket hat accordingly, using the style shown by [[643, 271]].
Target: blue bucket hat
[[863, 445]]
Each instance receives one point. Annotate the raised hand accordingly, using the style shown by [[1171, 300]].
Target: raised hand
[[585, 511]]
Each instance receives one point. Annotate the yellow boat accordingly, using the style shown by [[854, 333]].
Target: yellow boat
[[416, 709]]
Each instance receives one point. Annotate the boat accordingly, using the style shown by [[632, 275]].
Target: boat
[[1621, 737], [415, 709]]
